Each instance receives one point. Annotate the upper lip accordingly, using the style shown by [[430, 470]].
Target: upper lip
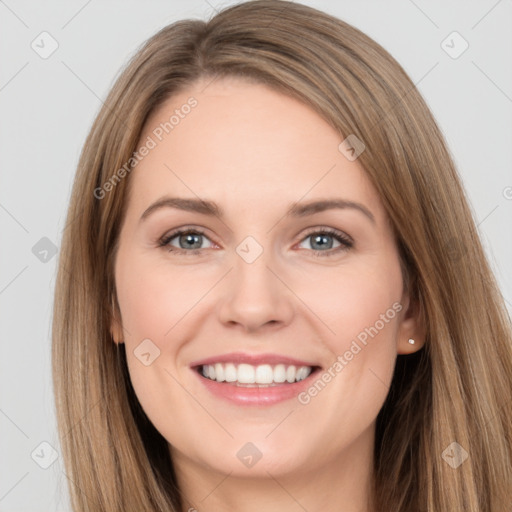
[[252, 359]]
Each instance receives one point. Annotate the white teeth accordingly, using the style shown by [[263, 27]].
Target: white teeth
[[219, 373], [230, 372], [279, 373], [246, 374], [264, 374], [302, 373]]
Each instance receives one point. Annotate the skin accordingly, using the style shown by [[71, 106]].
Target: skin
[[255, 151]]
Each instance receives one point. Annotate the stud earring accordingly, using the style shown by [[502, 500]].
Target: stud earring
[[411, 341]]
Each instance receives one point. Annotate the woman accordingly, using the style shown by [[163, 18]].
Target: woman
[[272, 293]]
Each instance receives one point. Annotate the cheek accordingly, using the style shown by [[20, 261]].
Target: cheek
[[152, 302], [352, 389], [351, 302], [156, 303], [366, 312], [153, 297], [363, 311], [365, 341]]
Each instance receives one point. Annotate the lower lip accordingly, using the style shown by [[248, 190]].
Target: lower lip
[[265, 395]]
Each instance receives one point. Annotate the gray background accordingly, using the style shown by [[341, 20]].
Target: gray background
[[48, 105]]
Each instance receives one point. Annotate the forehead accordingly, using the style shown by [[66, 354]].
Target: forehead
[[236, 140]]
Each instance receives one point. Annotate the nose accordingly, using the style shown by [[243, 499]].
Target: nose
[[256, 296]]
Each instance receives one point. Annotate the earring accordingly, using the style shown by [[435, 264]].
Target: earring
[[411, 341]]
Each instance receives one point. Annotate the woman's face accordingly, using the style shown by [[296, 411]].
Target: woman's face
[[261, 283]]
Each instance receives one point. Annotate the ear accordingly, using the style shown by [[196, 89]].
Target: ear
[[116, 326], [412, 326]]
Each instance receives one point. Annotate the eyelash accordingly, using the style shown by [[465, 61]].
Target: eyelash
[[345, 241]]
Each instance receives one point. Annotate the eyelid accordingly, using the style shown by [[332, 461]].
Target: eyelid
[[168, 236], [346, 241], [329, 230]]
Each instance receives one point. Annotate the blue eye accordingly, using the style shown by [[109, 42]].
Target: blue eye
[[321, 238], [190, 241]]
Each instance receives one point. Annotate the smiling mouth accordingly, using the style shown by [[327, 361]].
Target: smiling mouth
[[247, 375]]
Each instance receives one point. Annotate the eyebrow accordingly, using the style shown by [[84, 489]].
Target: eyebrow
[[211, 208]]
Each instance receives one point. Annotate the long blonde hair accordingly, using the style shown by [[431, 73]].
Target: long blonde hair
[[457, 389]]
